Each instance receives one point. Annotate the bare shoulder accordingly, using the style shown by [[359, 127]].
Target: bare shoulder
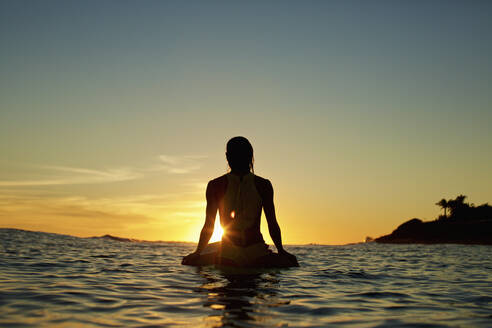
[[217, 182], [264, 186], [262, 181], [216, 187]]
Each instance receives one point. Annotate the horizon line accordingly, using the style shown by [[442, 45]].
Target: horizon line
[[125, 239]]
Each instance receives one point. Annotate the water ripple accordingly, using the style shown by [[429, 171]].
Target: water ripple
[[49, 280]]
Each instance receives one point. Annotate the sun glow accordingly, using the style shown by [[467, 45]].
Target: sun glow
[[218, 232]]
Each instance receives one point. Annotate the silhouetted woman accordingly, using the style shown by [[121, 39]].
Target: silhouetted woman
[[240, 196]]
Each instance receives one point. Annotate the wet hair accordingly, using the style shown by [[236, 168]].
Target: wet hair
[[239, 153]]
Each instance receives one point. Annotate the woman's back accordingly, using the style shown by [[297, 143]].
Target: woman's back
[[240, 201], [240, 210]]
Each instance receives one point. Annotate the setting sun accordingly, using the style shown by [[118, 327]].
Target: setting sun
[[218, 232]]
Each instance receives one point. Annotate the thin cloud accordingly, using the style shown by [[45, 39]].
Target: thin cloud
[[180, 164], [73, 215], [109, 214], [76, 206], [66, 175], [155, 204], [63, 175]]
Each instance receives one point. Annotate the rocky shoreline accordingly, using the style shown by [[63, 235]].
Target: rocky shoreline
[[416, 231], [466, 224]]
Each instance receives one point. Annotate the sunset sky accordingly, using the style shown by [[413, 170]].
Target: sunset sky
[[363, 114]]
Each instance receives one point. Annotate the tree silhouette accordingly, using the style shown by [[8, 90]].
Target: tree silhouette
[[460, 199], [459, 210], [457, 205], [444, 205]]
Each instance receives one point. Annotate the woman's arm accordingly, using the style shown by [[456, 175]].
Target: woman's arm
[[273, 226], [269, 209], [210, 214], [208, 227]]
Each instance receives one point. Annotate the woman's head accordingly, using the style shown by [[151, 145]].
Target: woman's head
[[239, 154]]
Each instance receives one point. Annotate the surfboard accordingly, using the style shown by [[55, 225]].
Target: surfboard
[[210, 255]]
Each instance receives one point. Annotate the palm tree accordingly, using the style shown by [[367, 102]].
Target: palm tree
[[444, 204], [460, 200], [457, 205]]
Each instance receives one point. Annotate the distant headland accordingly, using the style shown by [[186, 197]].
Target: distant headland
[[465, 224]]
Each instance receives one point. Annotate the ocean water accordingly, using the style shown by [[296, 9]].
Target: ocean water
[[50, 280]]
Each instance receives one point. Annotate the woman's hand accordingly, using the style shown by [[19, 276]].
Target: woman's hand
[[190, 259], [290, 257]]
